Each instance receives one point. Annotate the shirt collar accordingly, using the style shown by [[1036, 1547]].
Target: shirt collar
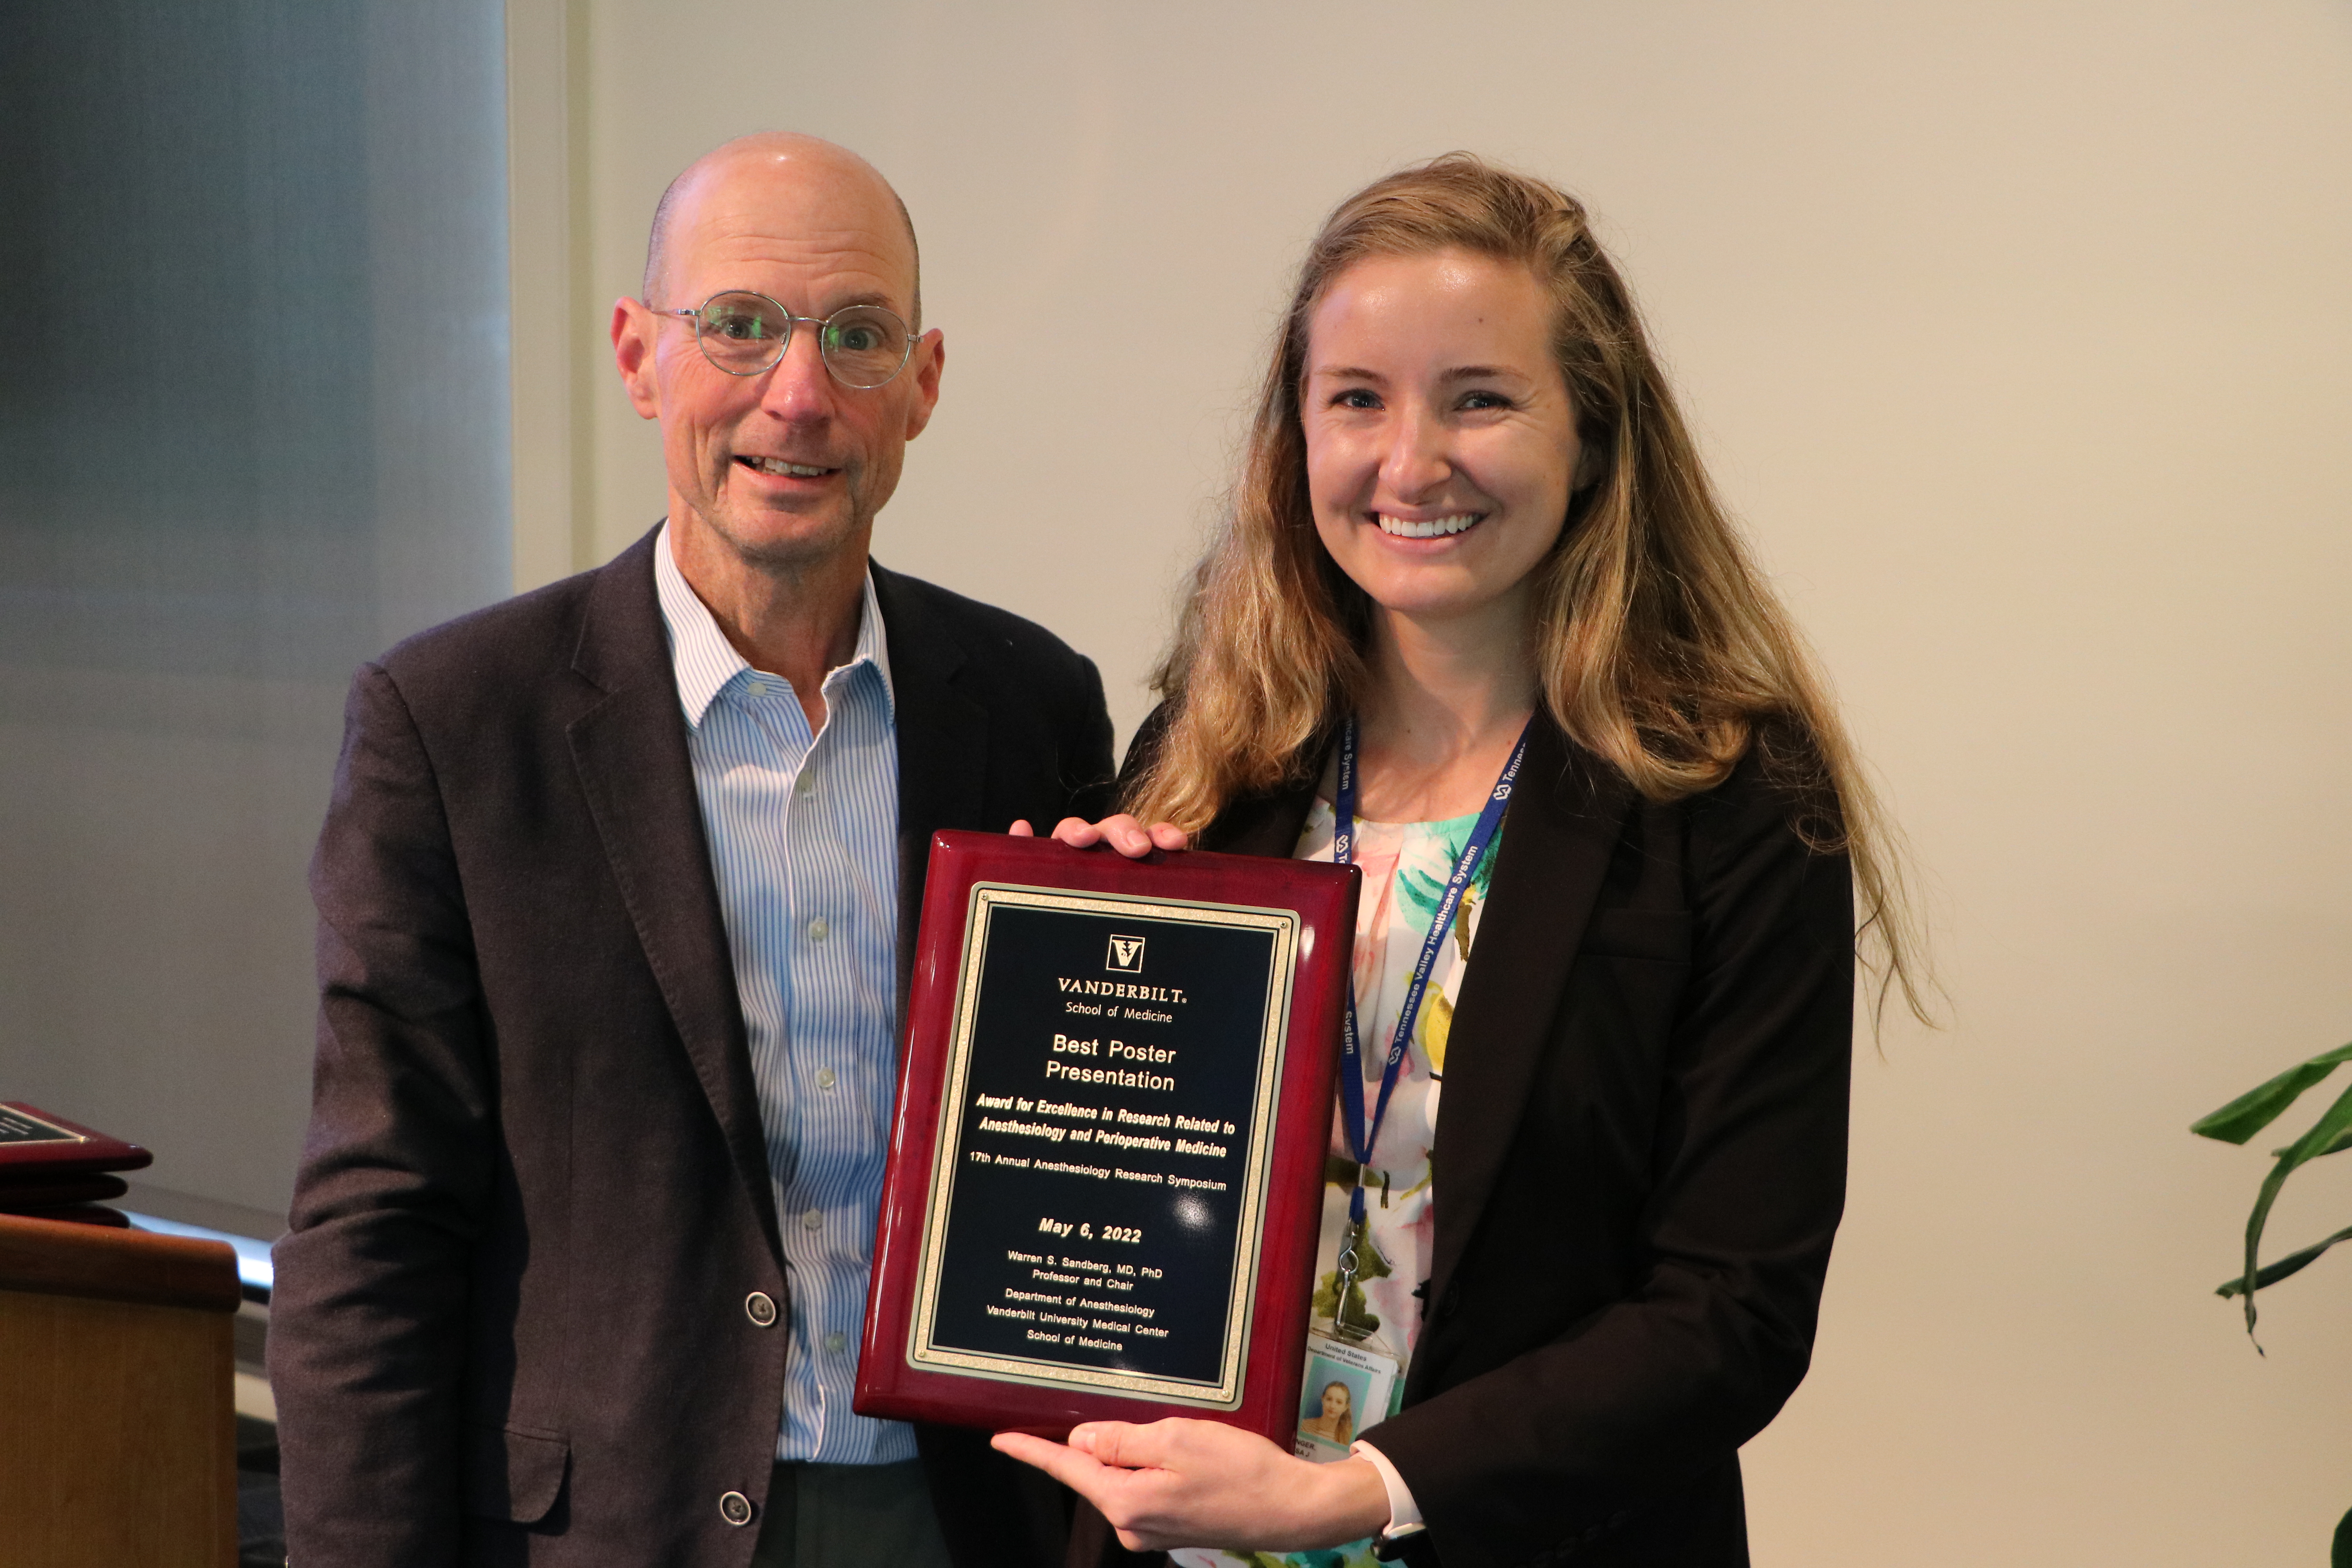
[[705, 663]]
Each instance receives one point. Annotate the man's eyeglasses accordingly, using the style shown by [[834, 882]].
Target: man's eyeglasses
[[744, 334]]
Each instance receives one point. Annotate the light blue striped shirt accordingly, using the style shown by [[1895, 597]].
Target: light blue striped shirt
[[804, 833]]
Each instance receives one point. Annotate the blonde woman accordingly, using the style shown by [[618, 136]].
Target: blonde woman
[[1337, 1422], [1477, 622]]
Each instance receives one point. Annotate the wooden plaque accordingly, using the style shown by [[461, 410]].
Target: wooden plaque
[[1105, 1179], [37, 1144]]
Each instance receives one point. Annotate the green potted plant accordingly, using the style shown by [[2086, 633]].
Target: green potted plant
[[2241, 1120]]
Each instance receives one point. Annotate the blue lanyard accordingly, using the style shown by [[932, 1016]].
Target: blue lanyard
[[1351, 1058]]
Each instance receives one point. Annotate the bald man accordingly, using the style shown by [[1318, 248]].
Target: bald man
[[617, 893]]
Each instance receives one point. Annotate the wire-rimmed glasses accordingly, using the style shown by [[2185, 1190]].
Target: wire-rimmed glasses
[[744, 334]]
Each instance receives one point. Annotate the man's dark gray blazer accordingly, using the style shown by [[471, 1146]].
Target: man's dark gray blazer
[[511, 1320]]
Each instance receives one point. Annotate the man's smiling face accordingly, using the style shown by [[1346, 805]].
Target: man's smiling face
[[784, 469]]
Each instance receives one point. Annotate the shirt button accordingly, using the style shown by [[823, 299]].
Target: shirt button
[[735, 1509], [812, 1220], [817, 930], [807, 786], [837, 1342], [824, 1077], [761, 1307]]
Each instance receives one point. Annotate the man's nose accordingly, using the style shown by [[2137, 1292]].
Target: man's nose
[[799, 388]]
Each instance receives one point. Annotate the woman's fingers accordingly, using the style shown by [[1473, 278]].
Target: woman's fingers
[[1123, 1442], [1114, 1492], [1126, 1498], [1079, 1472], [1181, 1482], [1022, 829]]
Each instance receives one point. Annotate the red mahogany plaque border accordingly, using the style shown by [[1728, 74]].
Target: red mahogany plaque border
[[1323, 898]]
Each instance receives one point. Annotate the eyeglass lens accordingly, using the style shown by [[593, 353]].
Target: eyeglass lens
[[863, 345]]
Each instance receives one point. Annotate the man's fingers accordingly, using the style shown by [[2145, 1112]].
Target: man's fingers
[[1126, 835], [1022, 829], [1121, 832], [1130, 838]]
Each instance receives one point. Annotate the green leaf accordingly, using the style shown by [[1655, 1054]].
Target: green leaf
[[2343, 1141], [2333, 1123], [2257, 1109], [2293, 1263]]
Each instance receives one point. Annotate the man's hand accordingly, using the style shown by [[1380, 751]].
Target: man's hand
[[1122, 833], [1203, 1483]]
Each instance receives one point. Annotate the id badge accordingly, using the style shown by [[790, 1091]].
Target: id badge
[[1348, 1387]]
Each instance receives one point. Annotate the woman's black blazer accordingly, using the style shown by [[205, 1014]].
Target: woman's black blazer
[[1640, 1163]]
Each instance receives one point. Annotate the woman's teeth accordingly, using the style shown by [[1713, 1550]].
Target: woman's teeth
[[778, 465], [1436, 527]]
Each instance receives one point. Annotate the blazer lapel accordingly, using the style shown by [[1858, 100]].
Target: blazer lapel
[[1263, 824], [1563, 823], [943, 750], [631, 751]]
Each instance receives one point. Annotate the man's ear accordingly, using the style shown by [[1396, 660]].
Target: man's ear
[[633, 327], [930, 357]]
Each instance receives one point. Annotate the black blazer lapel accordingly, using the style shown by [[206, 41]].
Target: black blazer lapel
[[630, 749], [1563, 823], [1262, 825], [943, 750]]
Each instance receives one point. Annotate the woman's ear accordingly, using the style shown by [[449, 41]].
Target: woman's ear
[[1592, 459]]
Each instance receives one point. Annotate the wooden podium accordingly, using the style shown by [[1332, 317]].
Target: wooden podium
[[118, 1441]]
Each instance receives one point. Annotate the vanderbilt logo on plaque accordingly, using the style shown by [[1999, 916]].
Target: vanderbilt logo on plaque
[[1106, 1176]]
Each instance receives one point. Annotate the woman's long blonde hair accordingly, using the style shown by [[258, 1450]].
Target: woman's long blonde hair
[[1660, 648]]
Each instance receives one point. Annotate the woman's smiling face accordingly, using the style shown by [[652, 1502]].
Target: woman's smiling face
[[1440, 442]]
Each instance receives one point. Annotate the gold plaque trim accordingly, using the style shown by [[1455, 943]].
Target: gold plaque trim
[[63, 1135]]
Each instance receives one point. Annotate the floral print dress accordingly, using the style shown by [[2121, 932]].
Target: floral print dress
[[1406, 868]]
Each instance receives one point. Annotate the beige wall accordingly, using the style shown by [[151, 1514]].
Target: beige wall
[[2021, 335]]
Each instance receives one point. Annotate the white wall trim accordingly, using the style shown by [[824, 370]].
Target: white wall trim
[[546, 231]]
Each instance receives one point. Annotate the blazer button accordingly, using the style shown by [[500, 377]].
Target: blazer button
[[735, 1509], [761, 1307]]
